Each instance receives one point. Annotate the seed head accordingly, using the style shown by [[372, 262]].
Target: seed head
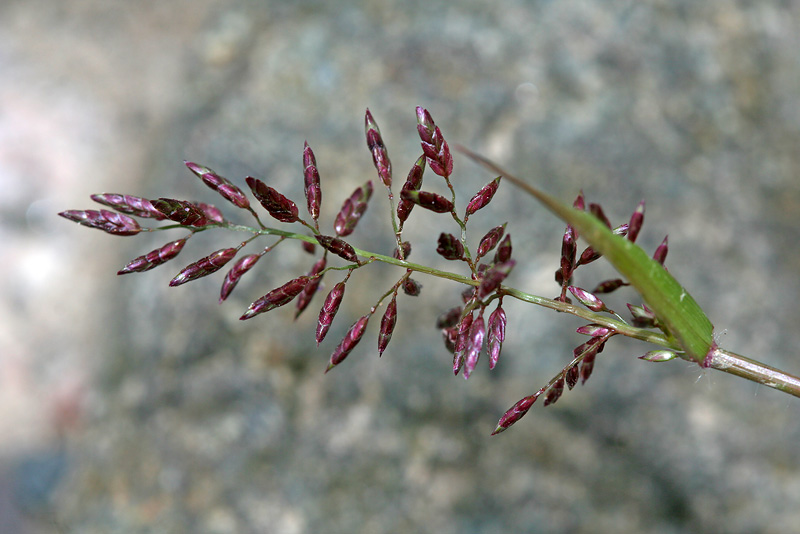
[[554, 393], [337, 246], [609, 286], [388, 323], [568, 252], [462, 340], [278, 206], [482, 197], [232, 277], [516, 412], [661, 251], [380, 157], [110, 222], [597, 211], [580, 202], [587, 299], [304, 299], [593, 330], [496, 334], [572, 375], [658, 356], [643, 317], [181, 211], [429, 201], [503, 253], [219, 184], [411, 287], [403, 252], [490, 240], [154, 258], [635, 225], [450, 247], [140, 207], [276, 298], [349, 342], [494, 277], [433, 144], [449, 318], [352, 210], [477, 334], [311, 188], [328, 311], [413, 183], [212, 213], [204, 266]]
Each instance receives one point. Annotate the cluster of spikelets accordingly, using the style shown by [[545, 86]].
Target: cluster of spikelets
[[466, 331], [582, 363]]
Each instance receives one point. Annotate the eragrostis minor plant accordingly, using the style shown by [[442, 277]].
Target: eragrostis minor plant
[[668, 318]]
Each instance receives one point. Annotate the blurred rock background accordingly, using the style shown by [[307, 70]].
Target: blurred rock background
[[127, 406]]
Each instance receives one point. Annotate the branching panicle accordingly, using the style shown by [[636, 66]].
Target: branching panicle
[[465, 332]]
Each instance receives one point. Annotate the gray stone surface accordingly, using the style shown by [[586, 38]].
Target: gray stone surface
[[191, 421]]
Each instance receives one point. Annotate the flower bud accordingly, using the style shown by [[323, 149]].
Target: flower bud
[[154, 258], [494, 277], [482, 197], [496, 335], [304, 299], [587, 299], [516, 412], [661, 252], [571, 376], [311, 186], [413, 183], [352, 210], [580, 202], [204, 266], [337, 246], [433, 144], [643, 317], [430, 201], [219, 184], [609, 286], [450, 247], [212, 213], [232, 277], [181, 211], [411, 287], [568, 252], [658, 356], [462, 339], [477, 334], [490, 240], [554, 393], [328, 311], [351, 339], [380, 157], [277, 297], [107, 221], [635, 225], [593, 330], [278, 206], [387, 325], [503, 253], [597, 211], [449, 318], [404, 252], [141, 207]]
